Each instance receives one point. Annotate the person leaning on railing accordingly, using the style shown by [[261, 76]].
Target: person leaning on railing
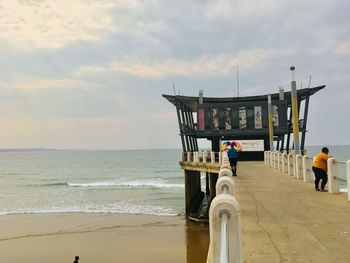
[[320, 169]]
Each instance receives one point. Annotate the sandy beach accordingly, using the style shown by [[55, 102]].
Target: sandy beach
[[101, 238]]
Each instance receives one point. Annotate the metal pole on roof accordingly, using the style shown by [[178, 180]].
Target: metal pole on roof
[[269, 108], [237, 82], [295, 115]]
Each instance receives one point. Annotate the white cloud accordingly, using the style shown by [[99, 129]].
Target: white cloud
[[47, 84], [53, 24], [221, 64], [234, 10], [344, 49]]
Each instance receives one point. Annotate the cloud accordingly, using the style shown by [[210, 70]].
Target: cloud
[[47, 84], [207, 65], [54, 24], [344, 49], [234, 10]]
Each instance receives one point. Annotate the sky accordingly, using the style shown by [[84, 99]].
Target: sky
[[90, 74]]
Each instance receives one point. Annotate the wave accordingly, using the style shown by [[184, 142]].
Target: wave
[[114, 209], [49, 184], [135, 184]]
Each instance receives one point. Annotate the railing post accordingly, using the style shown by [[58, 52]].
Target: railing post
[[225, 185], [306, 169], [267, 158], [284, 162], [279, 160], [220, 156], [333, 175], [271, 158], [290, 164], [204, 157], [348, 177], [298, 167], [188, 157], [225, 204], [212, 157]]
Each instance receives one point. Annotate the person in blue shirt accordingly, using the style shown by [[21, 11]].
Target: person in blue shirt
[[232, 156]]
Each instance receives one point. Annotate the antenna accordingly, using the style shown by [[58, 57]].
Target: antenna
[[310, 81], [237, 82], [174, 89]]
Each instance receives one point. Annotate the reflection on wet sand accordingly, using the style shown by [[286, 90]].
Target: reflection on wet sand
[[197, 242]]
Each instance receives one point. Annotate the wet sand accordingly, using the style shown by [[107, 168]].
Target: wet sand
[[101, 238]]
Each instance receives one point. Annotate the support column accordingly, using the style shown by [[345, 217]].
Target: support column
[[193, 194], [212, 185]]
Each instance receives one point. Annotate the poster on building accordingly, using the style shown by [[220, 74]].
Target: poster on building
[[242, 118], [244, 145], [200, 119], [227, 117], [215, 118], [251, 145], [275, 119], [257, 117]]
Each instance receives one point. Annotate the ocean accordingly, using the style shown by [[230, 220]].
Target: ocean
[[126, 181]]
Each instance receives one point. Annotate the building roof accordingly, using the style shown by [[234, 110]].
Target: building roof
[[192, 102]]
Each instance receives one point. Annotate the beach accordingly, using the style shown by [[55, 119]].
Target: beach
[[104, 238]]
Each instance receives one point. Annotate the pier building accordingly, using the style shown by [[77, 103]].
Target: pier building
[[243, 119]]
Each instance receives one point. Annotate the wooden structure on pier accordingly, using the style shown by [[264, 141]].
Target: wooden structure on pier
[[243, 119], [240, 118]]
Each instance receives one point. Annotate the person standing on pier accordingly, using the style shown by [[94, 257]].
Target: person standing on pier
[[320, 169], [232, 156]]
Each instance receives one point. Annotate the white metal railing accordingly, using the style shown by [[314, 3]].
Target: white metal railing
[[225, 237], [299, 166]]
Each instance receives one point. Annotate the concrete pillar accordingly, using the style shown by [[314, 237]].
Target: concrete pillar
[[333, 175], [212, 184], [290, 164], [348, 177], [307, 169], [284, 163], [207, 187], [298, 167], [193, 193], [225, 206]]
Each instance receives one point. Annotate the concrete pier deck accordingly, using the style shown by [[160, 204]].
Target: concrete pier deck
[[286, 220]]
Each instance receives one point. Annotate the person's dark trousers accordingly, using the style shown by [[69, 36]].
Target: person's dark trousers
[[320, 174]]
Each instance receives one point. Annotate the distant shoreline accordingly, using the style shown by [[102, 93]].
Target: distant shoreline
[[155, 149]]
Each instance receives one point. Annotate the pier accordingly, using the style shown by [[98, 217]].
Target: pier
[[286, 220], [283, 218], [272, 201]]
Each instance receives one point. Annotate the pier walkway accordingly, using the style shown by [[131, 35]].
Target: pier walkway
[[286, 220]]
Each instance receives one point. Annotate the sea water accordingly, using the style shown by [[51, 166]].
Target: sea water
[[128, 181]]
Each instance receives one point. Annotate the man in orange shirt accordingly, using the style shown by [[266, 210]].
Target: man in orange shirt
[[320, 169]]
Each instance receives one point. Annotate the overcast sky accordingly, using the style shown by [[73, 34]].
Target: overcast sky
[[90, 74]]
